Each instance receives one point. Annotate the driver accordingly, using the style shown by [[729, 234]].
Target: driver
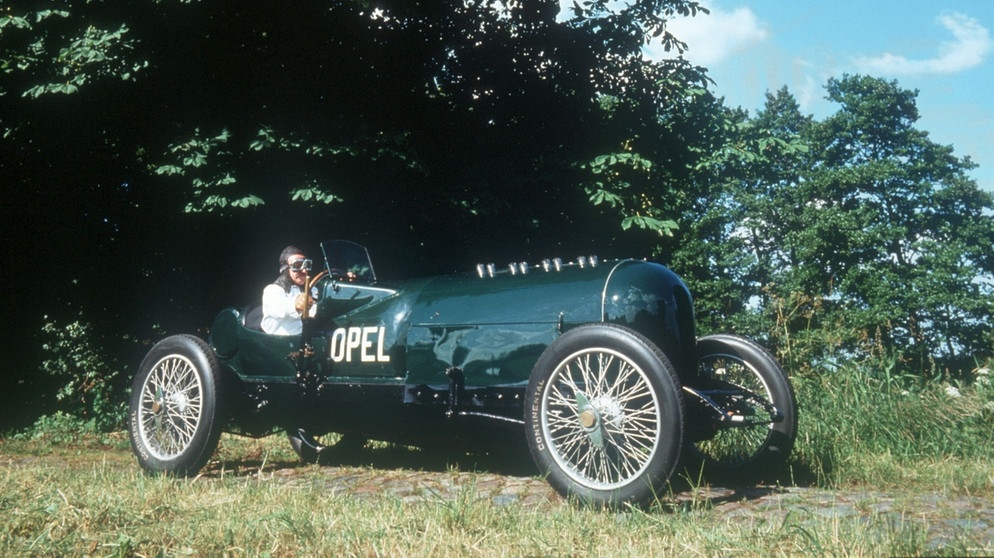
[[283, 301]]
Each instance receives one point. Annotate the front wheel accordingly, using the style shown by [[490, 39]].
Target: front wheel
[[604, 416], [175, 419], [745, 380]]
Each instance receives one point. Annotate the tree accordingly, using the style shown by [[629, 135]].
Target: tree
[[873, 240], [164, 150], [730, 247], [915, 263], [489, 106]]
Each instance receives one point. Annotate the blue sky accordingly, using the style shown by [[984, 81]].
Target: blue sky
[[942, 48]]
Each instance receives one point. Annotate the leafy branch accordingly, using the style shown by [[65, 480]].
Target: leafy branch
[[615, 175]]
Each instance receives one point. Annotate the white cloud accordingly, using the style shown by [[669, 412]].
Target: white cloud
[[971, 46], [715, 36], [807, 93]]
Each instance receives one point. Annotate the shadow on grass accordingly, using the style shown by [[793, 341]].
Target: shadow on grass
[[688, 490], [381, 456]]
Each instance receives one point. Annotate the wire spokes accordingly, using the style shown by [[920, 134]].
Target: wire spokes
[[171, 406], [601, 417]]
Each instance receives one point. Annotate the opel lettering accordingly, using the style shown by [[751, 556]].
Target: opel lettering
[[346, 342]]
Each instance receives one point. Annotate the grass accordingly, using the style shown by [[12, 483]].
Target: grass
[[859, 430], [108, 508], [66, 494]]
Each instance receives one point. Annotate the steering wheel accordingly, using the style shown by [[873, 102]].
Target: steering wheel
[[310, 283]]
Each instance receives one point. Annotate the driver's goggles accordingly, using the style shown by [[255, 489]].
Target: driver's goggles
[[298, 265]]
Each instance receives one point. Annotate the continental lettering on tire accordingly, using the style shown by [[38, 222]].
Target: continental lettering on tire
[[536, 422], [133, 424], [358, 344]]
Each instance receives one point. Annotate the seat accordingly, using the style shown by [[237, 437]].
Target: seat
[[252, 319]]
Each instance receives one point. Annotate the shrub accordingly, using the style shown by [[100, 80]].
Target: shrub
[[58, 428], [90, 389]]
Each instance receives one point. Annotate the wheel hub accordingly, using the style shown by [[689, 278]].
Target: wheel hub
[[609, 410], [588, 418]]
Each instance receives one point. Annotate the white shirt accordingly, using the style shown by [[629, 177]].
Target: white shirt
[[279, 315]]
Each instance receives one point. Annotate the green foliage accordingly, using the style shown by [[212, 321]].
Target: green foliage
[[211, 164], [62, 58], [212, 186], [747, 143], [217, 125], [314, 193], [59, 428], [621, 181], [892, 251], [89, 388], [438, 96], [637, 22]]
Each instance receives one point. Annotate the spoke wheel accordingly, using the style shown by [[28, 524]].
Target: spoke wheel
[[750, 383], [604, 416], [174, 415]]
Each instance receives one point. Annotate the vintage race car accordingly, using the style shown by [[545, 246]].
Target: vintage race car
[[593, 365]]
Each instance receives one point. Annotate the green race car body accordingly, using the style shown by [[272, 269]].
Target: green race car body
[[594, 365]]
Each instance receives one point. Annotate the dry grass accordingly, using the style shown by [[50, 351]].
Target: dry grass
[[66, 494], [90, 498]]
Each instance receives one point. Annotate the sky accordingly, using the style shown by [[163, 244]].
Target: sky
[[942, 48]]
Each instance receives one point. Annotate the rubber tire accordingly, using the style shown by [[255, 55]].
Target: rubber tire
[[765, 448], [161, 396], [644, 482]]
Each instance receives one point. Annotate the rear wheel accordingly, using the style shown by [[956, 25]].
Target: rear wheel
[[604, 416], [175, 419], [748, 381]]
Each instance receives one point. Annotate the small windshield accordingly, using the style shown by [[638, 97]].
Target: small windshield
[[348, 261]]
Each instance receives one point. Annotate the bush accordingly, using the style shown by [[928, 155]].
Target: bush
[[58, 428], [90, 387]]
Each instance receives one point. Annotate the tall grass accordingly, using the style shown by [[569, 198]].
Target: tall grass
[[861, 426]]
